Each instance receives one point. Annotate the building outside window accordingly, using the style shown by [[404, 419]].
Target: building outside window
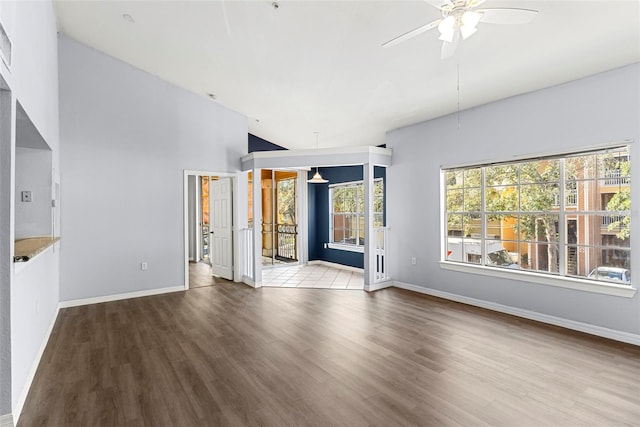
[[562, 215], [346, 204]]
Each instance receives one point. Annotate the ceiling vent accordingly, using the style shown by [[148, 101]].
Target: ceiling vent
[[5, 47]]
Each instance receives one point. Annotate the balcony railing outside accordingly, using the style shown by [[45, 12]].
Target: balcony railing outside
[[570, 198], [612, 177]]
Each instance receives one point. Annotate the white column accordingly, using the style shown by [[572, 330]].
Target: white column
[[369, 241], [240, 218], [257, 227], [302, 216]]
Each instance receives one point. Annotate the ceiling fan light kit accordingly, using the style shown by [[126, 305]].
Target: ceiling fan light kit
[[460, 18]]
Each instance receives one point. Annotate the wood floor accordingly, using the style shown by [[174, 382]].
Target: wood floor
[[231, 355], [200, 275]]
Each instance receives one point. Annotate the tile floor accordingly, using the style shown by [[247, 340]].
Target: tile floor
[[312, 276]]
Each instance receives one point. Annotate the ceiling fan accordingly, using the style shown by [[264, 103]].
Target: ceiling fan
[[461, 18]]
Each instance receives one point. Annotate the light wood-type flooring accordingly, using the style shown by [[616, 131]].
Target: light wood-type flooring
[[228, 354]]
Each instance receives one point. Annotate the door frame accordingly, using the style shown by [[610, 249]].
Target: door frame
[[234, 215]]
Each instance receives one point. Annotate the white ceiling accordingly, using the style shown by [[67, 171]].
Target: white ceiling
[[318, 65]]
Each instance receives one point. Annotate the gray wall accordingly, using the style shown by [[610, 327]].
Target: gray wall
[[590, 111], [126, 137]]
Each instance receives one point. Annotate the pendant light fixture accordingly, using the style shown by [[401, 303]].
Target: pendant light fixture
[[317, 178]]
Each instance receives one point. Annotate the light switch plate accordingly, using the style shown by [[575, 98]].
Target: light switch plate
[[26, 196]]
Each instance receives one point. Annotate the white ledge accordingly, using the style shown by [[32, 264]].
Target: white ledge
[[543, 279], [336, 156], [349, 248]]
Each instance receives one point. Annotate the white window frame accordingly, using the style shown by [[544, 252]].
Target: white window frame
[[358, 185], [558, 280]]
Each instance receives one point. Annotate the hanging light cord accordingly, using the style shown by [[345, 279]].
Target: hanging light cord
[[458, 90]]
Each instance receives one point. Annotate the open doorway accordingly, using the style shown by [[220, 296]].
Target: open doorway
[[208, 229], [280, 212]]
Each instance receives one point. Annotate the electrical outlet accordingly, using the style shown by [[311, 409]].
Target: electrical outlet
[[144, 265], [25, 196], [414, 261]]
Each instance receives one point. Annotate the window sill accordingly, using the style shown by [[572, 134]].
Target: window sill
[[348, 248], [543, 279]]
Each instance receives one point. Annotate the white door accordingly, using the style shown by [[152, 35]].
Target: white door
[[221, 238]]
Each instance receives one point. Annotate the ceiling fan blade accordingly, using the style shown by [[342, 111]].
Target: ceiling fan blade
[[475, 3], [448, 49], [507, 15], [412, 33], [440, 3]]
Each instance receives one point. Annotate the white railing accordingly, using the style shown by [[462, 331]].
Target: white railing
[[246, 252], [570, 198], [614, 177], [381, 272], [610, 219]]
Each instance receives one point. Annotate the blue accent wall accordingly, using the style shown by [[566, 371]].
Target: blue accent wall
[[258, 144], [319, 214]]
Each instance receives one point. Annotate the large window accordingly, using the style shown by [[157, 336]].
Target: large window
[[565, 215], [347, 211]]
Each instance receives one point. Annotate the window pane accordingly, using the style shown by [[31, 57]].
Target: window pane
[[502, 198], [540, 171], [338, 199], [360, 196], [504, 227], [498, 256], [472, 177], [472, 200], [455, 225], [455, 200], [502, 175], [463, 250], [581, 167], [538, 197]]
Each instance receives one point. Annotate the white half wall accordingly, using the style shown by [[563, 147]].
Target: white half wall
[[126, 139], [595, 110]]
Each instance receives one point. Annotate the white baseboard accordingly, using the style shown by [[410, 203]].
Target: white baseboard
[[17, 410], [6, 420], [336, 265], [527, 314], [116, 297], [377, 286]]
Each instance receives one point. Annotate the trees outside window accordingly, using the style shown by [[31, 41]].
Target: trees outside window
[[563, 215], [347, 211]]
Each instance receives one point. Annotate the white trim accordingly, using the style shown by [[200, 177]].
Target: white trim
[[248, 281], [542, 279], [34, 367], [377, 286], [319, 151], [537, 155], [345, 247], [336, 265], [527, 314], [6, 420], [117, 297]]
